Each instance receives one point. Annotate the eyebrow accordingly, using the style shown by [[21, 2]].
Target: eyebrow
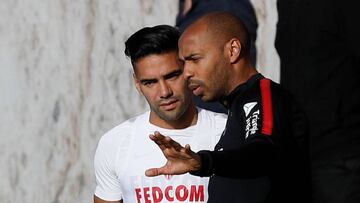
[[176, 72], [190, 57], [143, 81]]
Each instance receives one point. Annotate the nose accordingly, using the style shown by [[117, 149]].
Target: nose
[[188, 73], [165, 90]]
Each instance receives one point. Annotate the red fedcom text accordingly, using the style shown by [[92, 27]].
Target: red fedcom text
[[179, 193]]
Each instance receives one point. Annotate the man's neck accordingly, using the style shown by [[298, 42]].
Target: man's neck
[[242, 73]]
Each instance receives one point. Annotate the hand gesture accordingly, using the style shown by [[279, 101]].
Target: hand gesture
[[180, 159]]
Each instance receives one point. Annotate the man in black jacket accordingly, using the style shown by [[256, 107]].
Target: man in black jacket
[[261, 156]]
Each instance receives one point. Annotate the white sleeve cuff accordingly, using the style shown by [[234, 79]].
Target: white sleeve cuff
[[107, 196]]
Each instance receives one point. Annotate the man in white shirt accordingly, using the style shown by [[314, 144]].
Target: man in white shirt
[[125, 152]]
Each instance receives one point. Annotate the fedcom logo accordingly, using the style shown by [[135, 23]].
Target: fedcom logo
[[180, 193]]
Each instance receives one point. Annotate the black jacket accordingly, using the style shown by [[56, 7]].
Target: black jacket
[[261, 156]]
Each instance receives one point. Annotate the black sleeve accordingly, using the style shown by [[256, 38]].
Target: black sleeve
[[250, 160]]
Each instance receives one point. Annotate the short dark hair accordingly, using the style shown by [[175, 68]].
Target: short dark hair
[[151, 40]]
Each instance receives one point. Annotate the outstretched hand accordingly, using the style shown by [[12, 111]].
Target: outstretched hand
[[180, 159]]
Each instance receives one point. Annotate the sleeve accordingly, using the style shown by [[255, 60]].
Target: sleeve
[[250, 160], [107, 183]]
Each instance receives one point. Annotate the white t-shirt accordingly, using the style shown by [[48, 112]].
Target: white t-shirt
[[125, 152]]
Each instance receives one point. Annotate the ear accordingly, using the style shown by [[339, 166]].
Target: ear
[[137, 84], [234, 47]]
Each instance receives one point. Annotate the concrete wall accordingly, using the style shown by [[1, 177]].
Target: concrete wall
[[64, 81]]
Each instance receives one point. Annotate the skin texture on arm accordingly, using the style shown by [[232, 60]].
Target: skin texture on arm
[[180, 159], [98, 200]]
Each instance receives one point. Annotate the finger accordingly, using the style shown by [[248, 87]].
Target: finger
[[166, 141], [171, 144], [159, 143], [187, 150], [155, 171], [162, 140], [158, 135], [158, 139], [151, 172]]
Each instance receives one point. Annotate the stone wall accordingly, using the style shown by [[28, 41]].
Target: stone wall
[[64, 81]]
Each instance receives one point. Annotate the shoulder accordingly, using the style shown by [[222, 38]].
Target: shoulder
[[268, 89], [118, 132], [117, 136], [218, 119], [212, 114], [263, 92], [280, 95], [277, 88]]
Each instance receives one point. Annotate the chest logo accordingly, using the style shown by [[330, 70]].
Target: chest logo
[[248, 107], [252, 123]]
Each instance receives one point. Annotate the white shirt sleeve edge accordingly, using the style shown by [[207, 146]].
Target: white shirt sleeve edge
[[107, 196]]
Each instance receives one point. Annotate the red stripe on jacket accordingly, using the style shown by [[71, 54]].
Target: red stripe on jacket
[[267, 122]]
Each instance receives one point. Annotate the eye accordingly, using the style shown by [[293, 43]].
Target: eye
[[148, 82], [195, 59], [174, 75]]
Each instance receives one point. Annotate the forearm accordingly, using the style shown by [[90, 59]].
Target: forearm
[[250, 160]]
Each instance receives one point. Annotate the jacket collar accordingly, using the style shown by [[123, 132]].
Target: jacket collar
[[229, 99]]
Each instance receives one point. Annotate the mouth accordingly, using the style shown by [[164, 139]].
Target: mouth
[[195, 88], [169, 105]]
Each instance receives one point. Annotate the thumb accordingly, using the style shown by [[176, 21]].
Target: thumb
[[153, 172]]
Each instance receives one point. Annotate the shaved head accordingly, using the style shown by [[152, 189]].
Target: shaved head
[[215, 51], [221, 27]]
